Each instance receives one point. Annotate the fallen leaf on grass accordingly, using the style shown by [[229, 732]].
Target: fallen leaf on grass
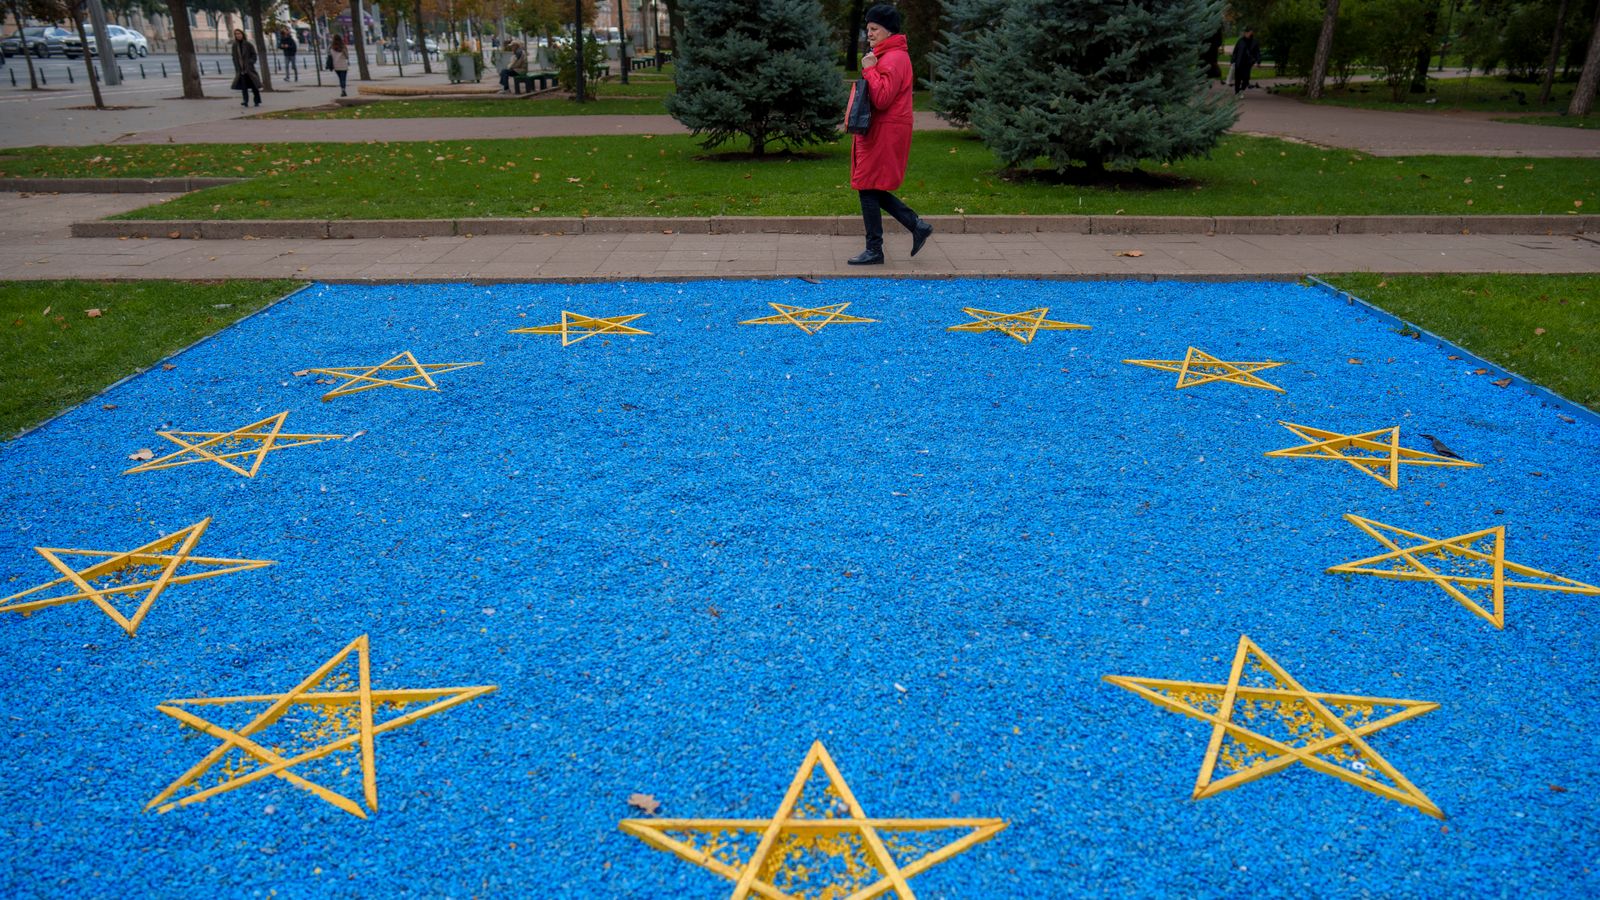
[[1502, 383], [142, 454], [644, 803], [93, 313], [1538, 331], [1129, 253], [47, 310]]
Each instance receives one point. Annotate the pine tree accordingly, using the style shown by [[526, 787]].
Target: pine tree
[[1098, 82], [952, 88], [760, 69]]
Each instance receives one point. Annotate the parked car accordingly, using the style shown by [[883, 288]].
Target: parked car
[[124, 42], [430, 44], [43, 41]]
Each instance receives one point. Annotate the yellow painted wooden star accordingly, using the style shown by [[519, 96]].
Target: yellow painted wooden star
[[810, 320], [1263, 721], [1376, 453], [574, 327], [864, 857], [386, 374], [149, 569], [1021, 326], [1200, 367], [332, 710], [1457, 566], [257, 440]]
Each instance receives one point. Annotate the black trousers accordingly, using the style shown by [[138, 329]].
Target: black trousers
[[873, 203], [246, 91], [1241, 77]]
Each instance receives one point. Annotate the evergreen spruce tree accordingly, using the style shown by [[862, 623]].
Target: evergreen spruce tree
[[1098, 82], [952, 88], [758, 68]]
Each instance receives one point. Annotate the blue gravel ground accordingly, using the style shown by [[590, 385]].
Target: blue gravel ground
[[683, 557]]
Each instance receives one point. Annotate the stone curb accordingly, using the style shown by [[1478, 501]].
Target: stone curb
[[113, 185], [842, 225]]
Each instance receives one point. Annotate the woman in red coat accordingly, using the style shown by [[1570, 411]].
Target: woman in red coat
[[878, 158]]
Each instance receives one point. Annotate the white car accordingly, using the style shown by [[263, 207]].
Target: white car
[[124, 42]]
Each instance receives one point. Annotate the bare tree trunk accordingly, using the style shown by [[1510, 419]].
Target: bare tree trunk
[[1583, 95], [359, 39], [1319, 66], [83, 36], [422, 40], [27, 52], [1555, 54], [188, 65], [851, 57], [1419, 79], [263, 60]]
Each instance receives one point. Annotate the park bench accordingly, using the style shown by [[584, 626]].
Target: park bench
[[533, 81]]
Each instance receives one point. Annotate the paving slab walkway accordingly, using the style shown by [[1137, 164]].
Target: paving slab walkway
[[34, 244]]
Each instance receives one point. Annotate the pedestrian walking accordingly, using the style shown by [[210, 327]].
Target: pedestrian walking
[[289, 48], [878, 158], [1246, 53], [338, 61], [245, 79], [517, 66]]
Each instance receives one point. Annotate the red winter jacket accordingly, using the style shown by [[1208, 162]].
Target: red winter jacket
[[878, 158]]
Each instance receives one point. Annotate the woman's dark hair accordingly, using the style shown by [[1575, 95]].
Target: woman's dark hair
[[885, 15]]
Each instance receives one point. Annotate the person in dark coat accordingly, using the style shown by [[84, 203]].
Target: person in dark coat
[[878, 158], [1246, 53], [289, 48], [245, 79]]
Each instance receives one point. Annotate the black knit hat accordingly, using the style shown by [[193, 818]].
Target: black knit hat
[[885, 15]]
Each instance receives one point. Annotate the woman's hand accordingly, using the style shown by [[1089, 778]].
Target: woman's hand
[[868, 61]]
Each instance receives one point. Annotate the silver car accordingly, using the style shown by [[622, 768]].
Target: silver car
[[124, 42]]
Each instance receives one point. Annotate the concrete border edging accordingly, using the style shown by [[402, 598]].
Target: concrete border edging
[[234, 229]]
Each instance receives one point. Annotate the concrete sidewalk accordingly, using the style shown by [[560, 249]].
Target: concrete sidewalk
[[34, 245]]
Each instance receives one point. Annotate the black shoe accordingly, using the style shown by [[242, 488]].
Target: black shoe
[[867, 258], [920, 236]]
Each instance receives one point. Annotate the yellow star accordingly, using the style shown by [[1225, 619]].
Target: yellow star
[[333, 710], [365, 378], [574, 327], [150, 569], [1022, 326], [1263, 721], [1376, 453], [266, 436], [810, 320], [864, 857], [1456, 566], [1200, 367]]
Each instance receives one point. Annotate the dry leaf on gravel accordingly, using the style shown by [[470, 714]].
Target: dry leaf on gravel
[[1354, 361], [1504, 382], [1567, 419], [168, 367], [644, 803], [142, 454], [1480, 371], [108, 406], [302, 373]]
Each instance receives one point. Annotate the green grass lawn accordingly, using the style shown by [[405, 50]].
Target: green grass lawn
[[667, 175], [54, 355], [1484, 93], [1545, 328], [637, 98]]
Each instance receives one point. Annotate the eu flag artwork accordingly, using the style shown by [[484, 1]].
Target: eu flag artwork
[[923, 592]]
